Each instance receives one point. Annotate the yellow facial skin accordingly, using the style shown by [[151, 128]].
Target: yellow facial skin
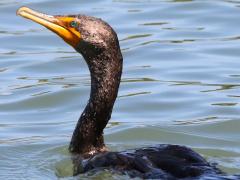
[[61, 25]]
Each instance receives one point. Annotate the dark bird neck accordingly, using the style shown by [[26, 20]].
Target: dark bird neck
[[105, 68]]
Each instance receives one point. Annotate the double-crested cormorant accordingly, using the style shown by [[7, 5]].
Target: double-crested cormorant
[[98, 44]]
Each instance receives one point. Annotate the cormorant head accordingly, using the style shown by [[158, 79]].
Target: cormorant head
[[88, 35]]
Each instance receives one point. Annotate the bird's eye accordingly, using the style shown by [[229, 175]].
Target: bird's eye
[[73, 24]]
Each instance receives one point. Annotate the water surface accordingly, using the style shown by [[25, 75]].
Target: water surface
[[180, 84]]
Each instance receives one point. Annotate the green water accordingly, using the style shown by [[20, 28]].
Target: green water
[[180, 84]]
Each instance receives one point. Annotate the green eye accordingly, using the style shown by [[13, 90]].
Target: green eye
[[74, 24]]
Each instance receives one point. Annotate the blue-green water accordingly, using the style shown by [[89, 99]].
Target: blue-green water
[[180, 85]]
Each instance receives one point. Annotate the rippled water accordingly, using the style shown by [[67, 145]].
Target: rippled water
[[181, 83]]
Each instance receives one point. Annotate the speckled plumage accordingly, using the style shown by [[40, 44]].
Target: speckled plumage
[[100, 48]]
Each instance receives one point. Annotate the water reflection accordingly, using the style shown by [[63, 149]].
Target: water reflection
[[182, 0], [225, 104], [41, 93], [134, 94], [197, 121], [3, 69], [134, 10], [154, 23], [221, 87], [8, 2], [138, 80], [136, 36], [234, 96]]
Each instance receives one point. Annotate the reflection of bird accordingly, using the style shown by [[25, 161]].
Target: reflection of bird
[[98, 44]]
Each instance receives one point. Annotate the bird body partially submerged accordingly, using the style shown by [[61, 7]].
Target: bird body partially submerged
[[163, 161], [99, 45]]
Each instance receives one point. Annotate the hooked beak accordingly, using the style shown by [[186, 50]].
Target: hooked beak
[[61, 25]]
